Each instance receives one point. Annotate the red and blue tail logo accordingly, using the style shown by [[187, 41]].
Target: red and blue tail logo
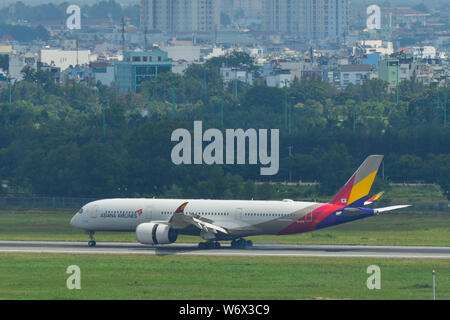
[[353, 194]]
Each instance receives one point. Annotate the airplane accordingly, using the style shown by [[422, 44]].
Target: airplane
[[160, 221]]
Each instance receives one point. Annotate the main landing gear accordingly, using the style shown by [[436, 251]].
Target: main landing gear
[[91, 242], [241, 244], [235, 244]]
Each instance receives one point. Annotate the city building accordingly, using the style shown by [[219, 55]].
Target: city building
[[64, 58], [388, 70], [54, 71], [310, 19], [279, 80], [241, 74], [375, 46], [282, 16], [140, 66], [18, 61], [355, 74], [182, 52], [180, 16], [395, 17], [103, 72]]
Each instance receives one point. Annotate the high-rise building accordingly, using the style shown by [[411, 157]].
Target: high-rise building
[[180, 16], [281, 16], [311, 19], [230, 6]]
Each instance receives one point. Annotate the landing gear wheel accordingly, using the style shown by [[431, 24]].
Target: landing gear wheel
[[201, 245], [241, 244], [92, 242]]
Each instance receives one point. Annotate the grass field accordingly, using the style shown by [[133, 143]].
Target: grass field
[[43, 276], [406, 228]]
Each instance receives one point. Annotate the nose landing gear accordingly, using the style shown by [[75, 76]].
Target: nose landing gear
[[91, 242]]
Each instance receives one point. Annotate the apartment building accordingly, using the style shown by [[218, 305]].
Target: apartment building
[[310, 19], [180, 16]]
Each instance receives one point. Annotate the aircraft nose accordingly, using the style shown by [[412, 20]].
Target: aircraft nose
[[73, 222]]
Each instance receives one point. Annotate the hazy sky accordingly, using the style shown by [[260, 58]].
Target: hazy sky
[[367, 2], [34, 2]]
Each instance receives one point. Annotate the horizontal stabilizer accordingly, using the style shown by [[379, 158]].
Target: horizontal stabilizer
[[380, 210], [349, 211]]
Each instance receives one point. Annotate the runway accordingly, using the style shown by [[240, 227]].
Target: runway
[[258, 250]]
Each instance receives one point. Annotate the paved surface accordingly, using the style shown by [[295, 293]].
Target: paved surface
[[280, 250]]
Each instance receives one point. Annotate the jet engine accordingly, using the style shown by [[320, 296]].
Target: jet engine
[[155, 233]]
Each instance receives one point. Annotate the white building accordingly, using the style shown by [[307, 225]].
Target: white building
[[405, 72], [230, 74], [425, 52], [18, 61], [376, 46], [65, 58], [187, 53], [356, 74], [280, 80]]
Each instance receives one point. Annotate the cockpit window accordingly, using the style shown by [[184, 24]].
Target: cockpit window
[[80, 211]]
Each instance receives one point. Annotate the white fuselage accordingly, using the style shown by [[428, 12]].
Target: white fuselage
[[242, 216]]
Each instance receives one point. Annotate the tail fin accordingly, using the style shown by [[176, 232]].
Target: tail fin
[[357, 188]]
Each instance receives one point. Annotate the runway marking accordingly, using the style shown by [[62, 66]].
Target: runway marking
[[259, 250]]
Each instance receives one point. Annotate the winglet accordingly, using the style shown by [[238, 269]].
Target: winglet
[[374, 198], [181, 208], [355, 191]]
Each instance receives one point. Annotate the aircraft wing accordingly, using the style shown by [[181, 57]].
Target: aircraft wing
[[180, 220]]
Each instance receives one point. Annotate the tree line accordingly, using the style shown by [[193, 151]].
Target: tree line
[[83, 139]]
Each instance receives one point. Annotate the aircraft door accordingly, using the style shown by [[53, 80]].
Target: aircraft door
[[147, 214], [239, 213]]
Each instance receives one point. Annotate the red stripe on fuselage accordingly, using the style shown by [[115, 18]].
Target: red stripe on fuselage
[[302, 225]]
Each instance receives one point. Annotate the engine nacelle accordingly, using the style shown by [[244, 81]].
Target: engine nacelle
[[155, 233]]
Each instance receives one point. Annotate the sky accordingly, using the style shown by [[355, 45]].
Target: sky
[[35, 2], [366, 2]]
